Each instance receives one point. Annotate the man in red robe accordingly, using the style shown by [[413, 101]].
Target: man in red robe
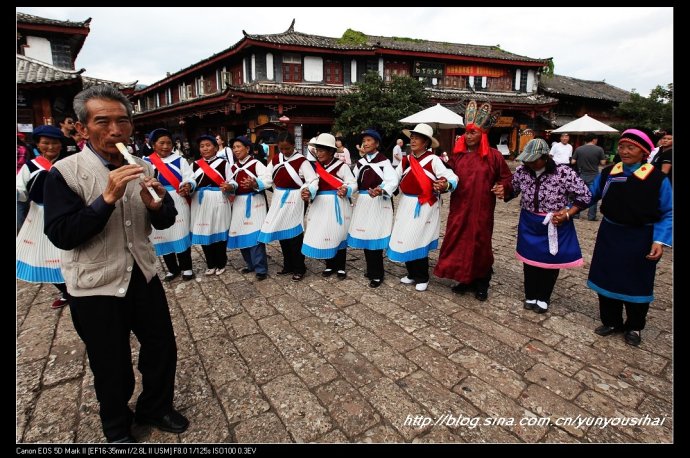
[[466, 254]]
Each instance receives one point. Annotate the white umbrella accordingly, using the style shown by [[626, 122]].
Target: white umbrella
[[583, 125], [437, 116]]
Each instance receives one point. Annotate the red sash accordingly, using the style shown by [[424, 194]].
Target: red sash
[[335, 182], [210, 172], [164, 170], [427, 195], [43, 162]]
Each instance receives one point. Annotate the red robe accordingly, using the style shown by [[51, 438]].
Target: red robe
[[466, 253]]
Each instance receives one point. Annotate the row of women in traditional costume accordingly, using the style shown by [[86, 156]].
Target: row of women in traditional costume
[[205, 195], [331, 225], [38, 260], [409, 238]]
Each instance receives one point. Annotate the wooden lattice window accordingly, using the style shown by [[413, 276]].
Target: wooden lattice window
[[333, 72]]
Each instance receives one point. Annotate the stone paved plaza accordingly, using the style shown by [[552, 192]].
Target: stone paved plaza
[[328, 360]]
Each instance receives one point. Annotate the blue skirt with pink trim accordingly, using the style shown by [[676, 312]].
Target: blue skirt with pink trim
[[533, 243]]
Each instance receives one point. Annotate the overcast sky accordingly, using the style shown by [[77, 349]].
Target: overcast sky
[[631, 48]]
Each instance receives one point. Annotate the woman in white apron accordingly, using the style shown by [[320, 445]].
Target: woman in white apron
[[291, 172], [423, 176], [211, 210], [372, 220], [38, 260], [329, 214], [175, 174], [249, 179]]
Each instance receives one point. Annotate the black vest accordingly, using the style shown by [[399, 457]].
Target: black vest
[[633, 202], [367, 178]]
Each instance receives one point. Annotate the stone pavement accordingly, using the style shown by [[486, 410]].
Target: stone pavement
[[328, 360]]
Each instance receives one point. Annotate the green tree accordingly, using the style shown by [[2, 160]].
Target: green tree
[[653, 112], [379, 105]]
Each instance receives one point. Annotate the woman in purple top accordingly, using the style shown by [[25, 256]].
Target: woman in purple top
[[547, 240]]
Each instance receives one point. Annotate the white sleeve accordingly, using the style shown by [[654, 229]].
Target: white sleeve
[[441, 171], [187, 173], [390, 178], [23, 178], [345, 174], [306, 171], [263, 174]]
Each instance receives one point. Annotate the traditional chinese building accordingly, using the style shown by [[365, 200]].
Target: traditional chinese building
[[290, 80], [577, 97], [46, 78]]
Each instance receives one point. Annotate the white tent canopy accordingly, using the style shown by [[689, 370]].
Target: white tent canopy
[[437, 116], [584, 125]]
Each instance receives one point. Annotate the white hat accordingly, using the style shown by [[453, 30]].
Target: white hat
[[425, 130], [326, 140]]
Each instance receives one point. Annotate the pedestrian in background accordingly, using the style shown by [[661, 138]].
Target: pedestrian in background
[[587, 159]]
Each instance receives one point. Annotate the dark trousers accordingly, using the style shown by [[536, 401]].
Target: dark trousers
[[293, 259], [177, 262], [374, 260], [104, 324], [337, 262], [592, 210], [539, 282], [418, 270], [216, 254], [63, 289], [611, 313], [255, 257]]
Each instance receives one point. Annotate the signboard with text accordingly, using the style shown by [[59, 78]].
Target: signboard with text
[[427, 69]]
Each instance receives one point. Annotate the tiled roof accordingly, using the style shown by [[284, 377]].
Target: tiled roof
[[439, 47], [566, 85], [32, 71], [372, 42], [493, 97], [314, 90], [23, 18], [302, 39], [441, 94], [90, 81]]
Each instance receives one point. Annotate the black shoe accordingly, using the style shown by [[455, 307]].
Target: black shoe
[[123, 440], [297, 277], [284, 272], [171, 276], [604, 330], [246, 270], [461, 288], [186, 277], [633, 338], [529, 305], [261, 277], [537, 309], [481, 295], [375, 283], [174, 422], [592, 219], [327, 273], [342, 274]]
